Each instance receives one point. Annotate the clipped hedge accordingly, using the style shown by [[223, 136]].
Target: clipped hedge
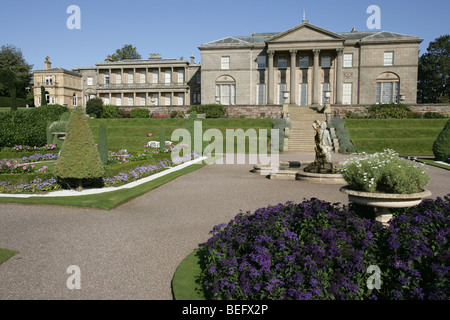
[[5, 102], [28, 127], [16, 179], [210, 110], [441, 146]]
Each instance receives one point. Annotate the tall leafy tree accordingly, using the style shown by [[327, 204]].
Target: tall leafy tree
[[14, 72], [434, 72], [126, 52]]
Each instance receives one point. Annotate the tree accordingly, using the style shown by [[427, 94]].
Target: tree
[[127, 52], [441, 146], [434, 67], [79, 160], [15, 71], [43, 97], [94, 107]]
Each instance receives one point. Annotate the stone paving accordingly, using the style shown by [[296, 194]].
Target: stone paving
[[132, 252]]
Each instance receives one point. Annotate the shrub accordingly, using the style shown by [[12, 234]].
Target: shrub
[[110, 111], [139, 113], [95, 106], [177, 114], [433, 115], [28, 127], [345, 143], [311, 250], [103, 143], [388, 111], [210, 110], [414, 115], [416, 253], [384, 172], [318, 250], [441, 146], [79, 158]]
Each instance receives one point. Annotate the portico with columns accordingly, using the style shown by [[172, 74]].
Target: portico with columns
[[314, 66]]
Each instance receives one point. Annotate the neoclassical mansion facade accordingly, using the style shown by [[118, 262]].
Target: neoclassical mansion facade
[[305, 65]]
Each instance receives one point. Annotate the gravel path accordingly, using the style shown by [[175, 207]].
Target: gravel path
[[132, 252]]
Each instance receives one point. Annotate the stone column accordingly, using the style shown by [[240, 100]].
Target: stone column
[[339, 63], [293, 78], [270, 84], [316, 80]]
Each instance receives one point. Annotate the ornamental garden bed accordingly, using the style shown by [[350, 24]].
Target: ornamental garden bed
[[318, 250]]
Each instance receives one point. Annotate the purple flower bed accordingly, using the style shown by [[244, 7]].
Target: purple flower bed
[[37, 185], [137, 173], [318, 250]]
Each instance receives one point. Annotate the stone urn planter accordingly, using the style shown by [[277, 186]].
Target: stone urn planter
[[385, 201]]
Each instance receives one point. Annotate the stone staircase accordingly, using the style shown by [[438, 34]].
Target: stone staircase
[[301, 132]]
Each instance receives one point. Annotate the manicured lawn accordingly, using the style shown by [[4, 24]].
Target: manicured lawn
[[186, 280], [431, 162], [406, 136], [131, 134]]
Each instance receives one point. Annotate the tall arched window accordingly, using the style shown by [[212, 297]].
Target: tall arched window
[[74, 100], [226, 90], [388, 88]]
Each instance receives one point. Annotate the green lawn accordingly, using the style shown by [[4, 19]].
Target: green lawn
[[131, 134], [107, 200], [406, 136], [5, 254]]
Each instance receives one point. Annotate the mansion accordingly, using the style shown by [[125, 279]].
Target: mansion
[[305, 65]]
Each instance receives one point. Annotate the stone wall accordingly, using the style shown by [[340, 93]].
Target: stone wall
[[417, 108]]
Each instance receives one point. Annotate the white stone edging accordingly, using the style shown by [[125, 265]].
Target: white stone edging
[[65, 193]]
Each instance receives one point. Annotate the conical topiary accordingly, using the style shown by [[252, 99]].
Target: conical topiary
[[441, 146], [79, 158]]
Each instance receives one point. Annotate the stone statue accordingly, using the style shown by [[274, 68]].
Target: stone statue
[[322, 163]]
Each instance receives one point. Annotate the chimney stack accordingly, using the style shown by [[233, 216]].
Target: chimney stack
[[47, 63]]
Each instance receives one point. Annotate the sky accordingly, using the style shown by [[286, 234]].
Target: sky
[[176, 28]]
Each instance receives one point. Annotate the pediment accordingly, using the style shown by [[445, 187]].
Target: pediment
[[305, 32]]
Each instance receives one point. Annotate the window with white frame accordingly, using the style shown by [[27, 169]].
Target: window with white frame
[[168, 99], [143, 101], [226, 94], [282, 63], [130, 101], [304, 62], [119, 101], [225, 63], [389, 58], [90, 81], [303, 94], [181, 99], [48, 79], [155, 99], [130, 78], [74, 99], [326, 62], [261, 94], [107, 78], [168, 77], [118, 78], [387, 92], [261, 61], [181, 76], [106, 101], [155, 76], [347, 93], [348, 60], [142, 77]]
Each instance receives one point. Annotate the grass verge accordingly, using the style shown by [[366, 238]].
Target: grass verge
[[107, 200], [186, 281], [431, 162], [5, 254]]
